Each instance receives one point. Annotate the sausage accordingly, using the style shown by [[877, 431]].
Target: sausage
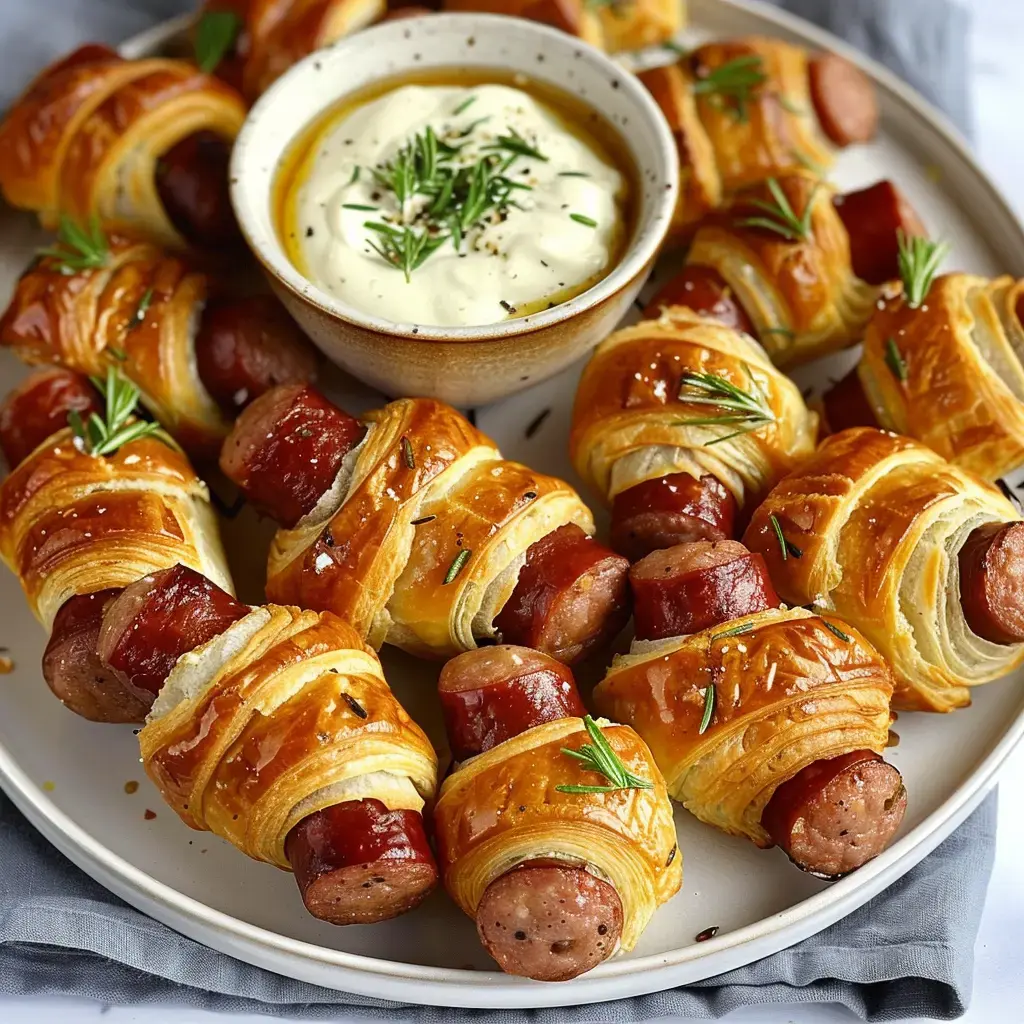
[[358, 862], [355, 862], [844, 99], [73, 670], [992, 582], [705, 291], [873, 217], [245, 347], [287, 448], [158, 619], [38, 407], [570, 597], [549, 921], [837, 814], [494, 693], [672, 509], [192, 183], [691, 587], [846, 404]]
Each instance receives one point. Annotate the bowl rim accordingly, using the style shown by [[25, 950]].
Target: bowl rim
[[640, 253]]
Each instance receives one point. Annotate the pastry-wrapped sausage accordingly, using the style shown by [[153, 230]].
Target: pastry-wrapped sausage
[[750, 109], [77, 527], [945, 369], [281, 736], [273, 34], [558, 876], [628, 26], [803, 693], [419, 533], [195, 359], [679, 422], [880, 521], [84, 141]]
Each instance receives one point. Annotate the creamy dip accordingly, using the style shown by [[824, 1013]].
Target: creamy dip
[[506, 210]]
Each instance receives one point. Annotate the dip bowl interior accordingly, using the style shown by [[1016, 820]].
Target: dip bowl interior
[[465, 366]]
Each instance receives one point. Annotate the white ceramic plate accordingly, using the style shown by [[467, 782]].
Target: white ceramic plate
[[68, 776]]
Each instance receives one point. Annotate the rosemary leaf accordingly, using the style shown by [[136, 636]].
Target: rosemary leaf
[[838, 632], [895, 361], [216, 33], [743, 627], [457, 565], [709, 709]]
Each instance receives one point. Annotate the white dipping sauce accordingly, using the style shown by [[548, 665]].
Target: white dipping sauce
[[561, 238]]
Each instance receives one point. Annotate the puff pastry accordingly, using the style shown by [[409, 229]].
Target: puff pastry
[[503, 807], [386, 547], [960, 354], [788, 692], [83, 141], [628, 419], [614, 26], [879, 521], [800, 292], [72, 523], [141, 308], [721, 150], [256, 730]]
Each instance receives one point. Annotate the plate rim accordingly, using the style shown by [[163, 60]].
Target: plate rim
[[619, 978]]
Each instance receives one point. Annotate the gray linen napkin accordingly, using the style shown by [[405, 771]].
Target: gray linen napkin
[[907, 953]]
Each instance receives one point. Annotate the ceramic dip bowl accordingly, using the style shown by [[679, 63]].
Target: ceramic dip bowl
[[465, 366]]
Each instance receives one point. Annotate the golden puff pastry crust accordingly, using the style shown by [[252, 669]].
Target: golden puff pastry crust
[[72, 523], [721, 151], [284, 714], [503, 807], [961, 353], [386, 550], [84, 139], [879, 520], [628, 419], [140, 308], [801, 294], [618, 25], [275, 34], [788, 691]]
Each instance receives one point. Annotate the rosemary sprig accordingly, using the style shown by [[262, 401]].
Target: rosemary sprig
[[78, 249], [895, 361], [216, 33], [733, 82], [785, 546], [403, 248], [746, 409], [919, 260], [599, 757], [710, 695], [458, 562], [743, 627], [779, 216], [103, 436]]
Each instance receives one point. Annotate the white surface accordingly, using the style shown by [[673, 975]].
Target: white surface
[[1000, 966]]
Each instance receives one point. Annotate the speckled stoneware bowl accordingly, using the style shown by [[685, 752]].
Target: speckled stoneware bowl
[[463, 365]]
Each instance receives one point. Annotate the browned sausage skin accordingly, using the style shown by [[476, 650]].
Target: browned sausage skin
[[992, 582], [38, 407], [192, 182], [571, 596], [355, 862], [550, 920], [673, 509], [837, 813], [846, 404], [691, 587], [73, 670], [246, 347], [704, 291], [492, 694], [873, 218], [844, 99], [287, 448]]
